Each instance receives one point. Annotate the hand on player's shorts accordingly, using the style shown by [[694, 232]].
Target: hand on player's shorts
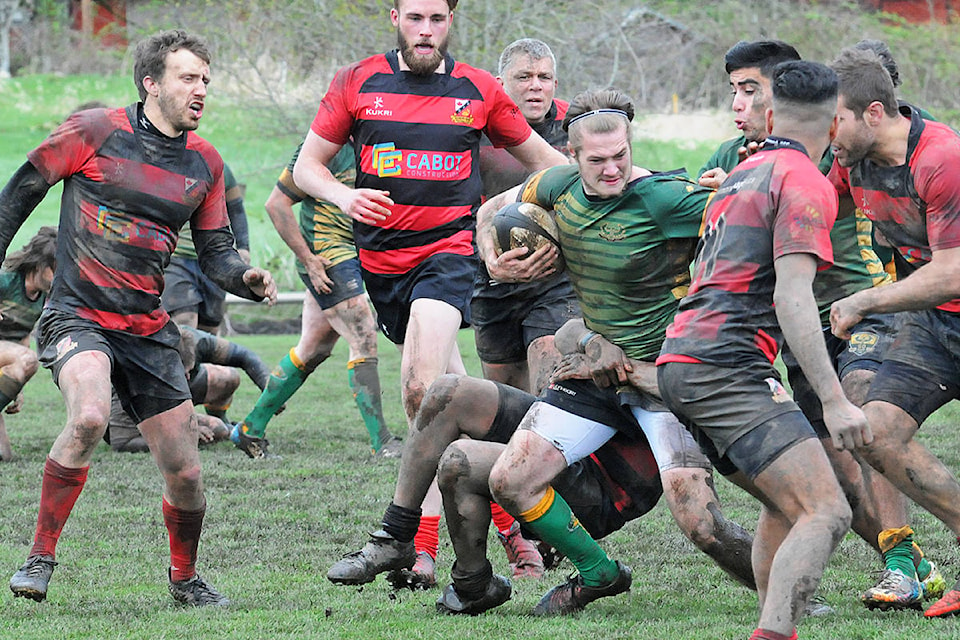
[[261, 283], [369, 206], [516, 265], [847, 424], [844, 315], [712, 178], [609, 365], [317, 272], [571, 367]]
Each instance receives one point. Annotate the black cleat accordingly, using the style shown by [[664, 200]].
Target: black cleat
[[498, 591], [382, 553], [195, 592], [572, 596], [31, 580]]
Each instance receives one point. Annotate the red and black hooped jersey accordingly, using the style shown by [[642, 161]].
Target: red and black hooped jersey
[[915, 207], [418, 137], [772, 204], [126, 194]]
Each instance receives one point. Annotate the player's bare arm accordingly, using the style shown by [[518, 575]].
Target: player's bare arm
[[934, 283], [514, 265], [369, 206], [535, 154], [799, 319], [279, 207]]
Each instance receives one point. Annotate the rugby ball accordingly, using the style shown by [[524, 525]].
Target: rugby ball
[[524, 224]]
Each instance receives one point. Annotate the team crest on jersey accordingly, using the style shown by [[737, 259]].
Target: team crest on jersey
[[777, 393], [863, 342], [461, 112], [387, 159], [612, 231], [65, 346]]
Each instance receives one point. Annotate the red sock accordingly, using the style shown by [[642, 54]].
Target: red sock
[[766, 634], [58, 493], [501, 519], [428, 535], [184, 528]]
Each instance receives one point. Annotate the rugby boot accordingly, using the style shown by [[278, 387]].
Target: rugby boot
[[817, 607], [31, 580], [392, 448], [948, 605], [931, 580], [497, 592], [551, 557], [382, 553], [894, 591], [572, 596], [423, 574], [196, 592], [255, 448], [522, 554]]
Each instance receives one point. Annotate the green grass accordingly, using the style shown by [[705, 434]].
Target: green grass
[[273, 529]]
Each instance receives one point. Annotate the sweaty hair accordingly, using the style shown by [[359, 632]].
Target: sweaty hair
[[452, 4], [805, 92], [536, 49], [593, 101], [864, 80], [763, 54], [883, 52], [150, 58], [38, 254]]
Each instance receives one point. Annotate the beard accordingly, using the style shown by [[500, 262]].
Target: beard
[[421, 65]]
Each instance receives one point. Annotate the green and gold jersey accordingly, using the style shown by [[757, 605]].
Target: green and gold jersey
[[628, 257], [327, 230], [19, 312]]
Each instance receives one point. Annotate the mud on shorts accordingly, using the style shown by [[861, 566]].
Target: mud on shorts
[[146, 371], [186, 287], [446, 277], [507, 317], [743, 418], [347, 283], [606, 489], [870, 339], [921, 371]]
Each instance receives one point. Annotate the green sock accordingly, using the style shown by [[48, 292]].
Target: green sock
[[900, 557], [364, 380], [216, 412], [921, 563], [283, 382], [554, 522]]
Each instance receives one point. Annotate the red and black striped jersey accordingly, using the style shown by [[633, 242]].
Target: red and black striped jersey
[[772, 204], [126, 194], [915, 206], [418, 137]]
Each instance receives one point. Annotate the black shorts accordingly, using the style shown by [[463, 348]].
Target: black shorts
[[512, 405], [199, 383], [869, 341], [146, 371], [742, 418], [187, 288], [347, 283], [585, 399], [921, 371], [446, 277], [506, 319]]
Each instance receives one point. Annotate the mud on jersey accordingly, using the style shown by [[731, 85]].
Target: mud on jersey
[[772, 204], [627, 257], [19, 312]]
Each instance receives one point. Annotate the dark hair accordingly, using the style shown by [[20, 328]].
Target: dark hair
[[610, 109], [39, 253], [883, 52], [450, 3], [763, 54], [150, 57], [864, 80], [801, 81]]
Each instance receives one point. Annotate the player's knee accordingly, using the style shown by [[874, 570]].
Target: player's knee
[[453, 467], [414, 391]]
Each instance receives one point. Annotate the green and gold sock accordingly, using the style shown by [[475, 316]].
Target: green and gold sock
[[553, 521], [284, 381], [364, 379], [897, 548]]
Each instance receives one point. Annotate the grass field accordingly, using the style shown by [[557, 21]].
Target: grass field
[[274, 527]]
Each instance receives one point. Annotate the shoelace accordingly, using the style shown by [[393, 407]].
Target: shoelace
[[39, 567]]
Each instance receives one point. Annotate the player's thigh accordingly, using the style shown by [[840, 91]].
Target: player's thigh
[[317, 335], [430, 339], [801, 481]]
